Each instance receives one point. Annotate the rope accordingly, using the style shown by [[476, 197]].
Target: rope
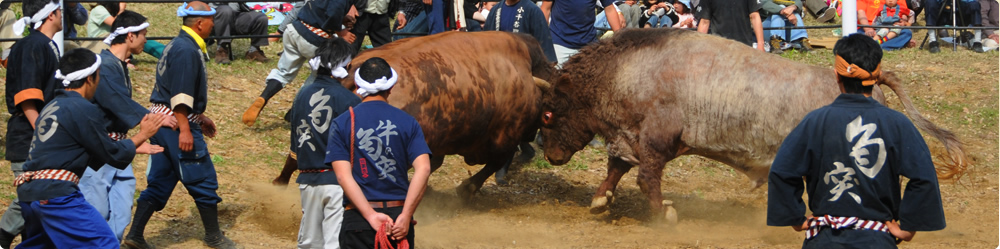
[[382, 239], [352, 137]]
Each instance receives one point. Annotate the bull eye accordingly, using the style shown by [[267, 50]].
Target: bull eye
[[547, 117]]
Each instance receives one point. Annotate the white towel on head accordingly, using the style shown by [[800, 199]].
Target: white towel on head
[[37, 19], [338, 71], [78, 74], [125, 30], [366, 88]]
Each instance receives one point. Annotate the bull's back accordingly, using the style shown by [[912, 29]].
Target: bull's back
[[471, 92]]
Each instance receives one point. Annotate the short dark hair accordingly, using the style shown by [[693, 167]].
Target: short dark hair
[[112, 7], [31, 7], [333, 51], [126, 19], [373, 69], [860, 50], [75, 60]]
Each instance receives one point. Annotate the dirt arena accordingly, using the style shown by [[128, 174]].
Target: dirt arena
[[547, 206]]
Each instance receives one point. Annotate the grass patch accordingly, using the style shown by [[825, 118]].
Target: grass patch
[[540, 163], [987, 116]]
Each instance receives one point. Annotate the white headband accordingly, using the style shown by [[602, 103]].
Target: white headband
[[125, 30], [36, 19], [337, 72], [366, 88], [79, 74]]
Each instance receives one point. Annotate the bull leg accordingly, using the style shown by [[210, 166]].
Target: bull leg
[[649, 183], [473, 184], [605, 193], [436, 162], [527, 153], [286, 172]]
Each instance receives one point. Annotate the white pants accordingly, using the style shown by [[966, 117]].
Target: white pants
[[322, 216], [563, 53], [297, 52]]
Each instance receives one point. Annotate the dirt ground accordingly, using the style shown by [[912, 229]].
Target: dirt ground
[[547, 206]]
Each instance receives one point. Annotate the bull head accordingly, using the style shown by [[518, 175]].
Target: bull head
[[565, 124]]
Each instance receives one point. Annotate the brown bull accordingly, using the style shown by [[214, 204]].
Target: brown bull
[[656, 94], [473, 94]]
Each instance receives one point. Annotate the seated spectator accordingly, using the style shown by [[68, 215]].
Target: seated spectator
[[970, 16], [653, 13], [781, 13], [602, 25], [631, 10], [101, 17], [821, 10], [891, 15], [685, 20], [234, 18], [435, 10], [99, 25], [484, 11], [868, 11], [731, 20], [7, 19], [411, 19], [74, 14], [988, 11]]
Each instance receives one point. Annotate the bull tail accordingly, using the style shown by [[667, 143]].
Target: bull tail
[[540, 66], [958, 162]]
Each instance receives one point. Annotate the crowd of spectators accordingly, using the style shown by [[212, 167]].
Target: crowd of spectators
[[757, 23]]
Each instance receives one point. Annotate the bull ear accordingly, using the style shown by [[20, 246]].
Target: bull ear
[[563, 82], [542, 84]]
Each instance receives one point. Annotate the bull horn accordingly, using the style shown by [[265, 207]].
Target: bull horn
[[542, 84]]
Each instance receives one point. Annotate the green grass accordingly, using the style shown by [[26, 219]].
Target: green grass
[[540, 163]]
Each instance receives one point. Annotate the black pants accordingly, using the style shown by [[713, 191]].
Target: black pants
[[375, 26], [231, 22], [968, 9], [357, 233]]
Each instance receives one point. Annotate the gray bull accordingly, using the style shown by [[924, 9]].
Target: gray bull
[[656, 94]]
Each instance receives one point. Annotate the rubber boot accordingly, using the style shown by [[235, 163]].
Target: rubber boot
[[213, 235], [6, 238], [250, 115], [134, 239]]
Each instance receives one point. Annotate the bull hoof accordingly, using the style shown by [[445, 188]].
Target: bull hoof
[[670, 214], [466, 189], [600, 204], [280, 182]]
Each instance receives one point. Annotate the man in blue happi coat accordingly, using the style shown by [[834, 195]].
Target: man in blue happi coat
[[108, 189], [71, 136], [181, 90], [851, 155]]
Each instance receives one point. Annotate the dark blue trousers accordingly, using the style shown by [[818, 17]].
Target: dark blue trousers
[[193, 168], [829, 238], [65, 222]]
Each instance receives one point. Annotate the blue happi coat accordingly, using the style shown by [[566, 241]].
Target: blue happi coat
[[852, 154]]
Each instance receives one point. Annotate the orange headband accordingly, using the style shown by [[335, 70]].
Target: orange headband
[[854, 71]]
